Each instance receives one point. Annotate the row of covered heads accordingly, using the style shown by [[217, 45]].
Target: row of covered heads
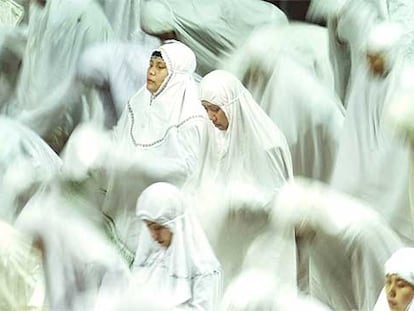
[[193, 155]]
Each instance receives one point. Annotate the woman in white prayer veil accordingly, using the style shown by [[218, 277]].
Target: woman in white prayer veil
[[347, 243], [211, 29], [174, 257], [158, 136], [21, 273], [48, 99], [378, 158], [26, 163], [243, 164], [398, 291], [281, 76]]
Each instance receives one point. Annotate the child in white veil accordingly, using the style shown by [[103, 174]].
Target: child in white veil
[[174, 257], [398, 291]]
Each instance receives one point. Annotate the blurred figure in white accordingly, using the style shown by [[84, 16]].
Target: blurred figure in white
[[26, 164], [211, 29], [11, 13], [21, 273], [398, 291], [400, 117], [47, 97], [349, 21], [347, 243], [80, 262], [12, 45], [244, 162], [271, 295], [157, 138], [174, 257], [282, 75], [376, 156]]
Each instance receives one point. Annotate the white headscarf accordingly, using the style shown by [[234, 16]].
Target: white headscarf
[[149, 118], [189, 255], [211, 29]]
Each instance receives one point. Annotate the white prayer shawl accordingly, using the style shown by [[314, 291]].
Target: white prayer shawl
[[120, 68], [26, 162], [47, 98], [285, 85], [347, 243], [161, 134], [399, 263], [376, 156], [239, 174], [211, 29], [187, 273]]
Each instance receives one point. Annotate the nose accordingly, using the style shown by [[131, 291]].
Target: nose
[[391, 291], [211, 116], [154, 235]]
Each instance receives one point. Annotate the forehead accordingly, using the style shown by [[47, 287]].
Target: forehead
[[157, 60], [208, 104], [394, 276]]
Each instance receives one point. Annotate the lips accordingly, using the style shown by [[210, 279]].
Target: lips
[[392, 303]]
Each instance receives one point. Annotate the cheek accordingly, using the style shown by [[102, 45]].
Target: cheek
[[405, 295]]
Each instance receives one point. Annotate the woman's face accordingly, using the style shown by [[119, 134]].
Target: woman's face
[[376, 63], [161, 234], [156, 74], [399, 292], [216, 115]]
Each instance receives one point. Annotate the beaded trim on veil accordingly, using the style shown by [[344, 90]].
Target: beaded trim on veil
[[162, 139]]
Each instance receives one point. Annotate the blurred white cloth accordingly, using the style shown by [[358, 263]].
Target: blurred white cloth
[[347, 243], [11, 13], [211, 29], [282, 75], [81, 265], [26, 163], [47, 98], [21, 273]]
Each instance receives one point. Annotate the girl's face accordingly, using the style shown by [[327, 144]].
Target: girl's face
[[161, 234], [399, 292], [216, 115], [156, 74]]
